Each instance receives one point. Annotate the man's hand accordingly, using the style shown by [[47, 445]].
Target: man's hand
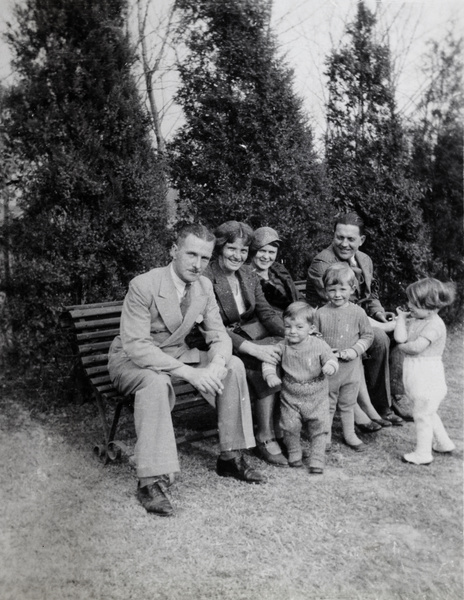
[[384, 317], [205, 380], [217, 370]]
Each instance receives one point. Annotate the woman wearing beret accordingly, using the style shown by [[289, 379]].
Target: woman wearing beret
[[276, 281], [253, 325]]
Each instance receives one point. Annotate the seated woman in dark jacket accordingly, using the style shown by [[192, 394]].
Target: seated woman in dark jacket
[[251, 323], [276, 281]]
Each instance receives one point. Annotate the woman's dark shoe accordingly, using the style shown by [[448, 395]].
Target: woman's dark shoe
[[400, 406], [394, 419], [277, 460], [382, 422], [369, 427], [239, 469], [154, 500]]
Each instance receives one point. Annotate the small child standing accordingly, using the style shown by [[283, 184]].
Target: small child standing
[[306, 360], [346, 328], [421, 335]]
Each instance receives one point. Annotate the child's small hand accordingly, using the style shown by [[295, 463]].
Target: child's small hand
[[347, 355], [402, 314], [273, 381], [329, 369]]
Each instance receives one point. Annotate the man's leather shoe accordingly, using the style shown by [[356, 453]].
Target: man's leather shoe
[[400, 406], [239, 469], [394, 419], [277, 460], [371, 427], [154, 500]]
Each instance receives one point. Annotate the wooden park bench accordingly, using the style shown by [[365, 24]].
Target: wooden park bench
[[91, 328]]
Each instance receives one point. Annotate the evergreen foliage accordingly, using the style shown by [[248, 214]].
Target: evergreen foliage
[[367, 158], [438, 157], [92, 212], [246, 150]]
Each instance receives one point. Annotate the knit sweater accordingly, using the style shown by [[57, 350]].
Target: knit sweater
[[303, 362], [345, 328]]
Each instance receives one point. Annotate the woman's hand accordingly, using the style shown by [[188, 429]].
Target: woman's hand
[[266, 353]]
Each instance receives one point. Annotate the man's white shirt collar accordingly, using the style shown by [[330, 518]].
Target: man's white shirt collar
[[178, 283]]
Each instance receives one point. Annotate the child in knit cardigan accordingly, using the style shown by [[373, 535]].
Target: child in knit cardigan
[[306, 360], [346, 328]]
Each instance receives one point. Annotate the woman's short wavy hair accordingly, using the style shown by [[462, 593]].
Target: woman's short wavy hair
[[230, 231]]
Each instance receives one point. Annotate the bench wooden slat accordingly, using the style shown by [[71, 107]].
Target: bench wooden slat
[[100, 324], [86, 348], [96, 335]]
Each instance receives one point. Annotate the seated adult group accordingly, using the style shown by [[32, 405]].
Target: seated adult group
[[229, 286]]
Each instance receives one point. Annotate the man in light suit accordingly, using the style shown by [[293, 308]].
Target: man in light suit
[[159, 311], [348, 238]]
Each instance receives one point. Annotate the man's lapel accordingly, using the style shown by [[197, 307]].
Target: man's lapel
[[364, 266], [168, 302]]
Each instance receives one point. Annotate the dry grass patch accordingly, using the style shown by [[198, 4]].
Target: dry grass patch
[[370, 528]]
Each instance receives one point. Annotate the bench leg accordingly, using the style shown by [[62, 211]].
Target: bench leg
[[111, 449]]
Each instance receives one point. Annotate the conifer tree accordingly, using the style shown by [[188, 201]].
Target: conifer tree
[[92, 216], [367, 158], [246, 149]]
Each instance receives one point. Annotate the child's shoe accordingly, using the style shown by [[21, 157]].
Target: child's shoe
[[315, 471], [442, 448], [415, 459], [296, 464], [357, 447]]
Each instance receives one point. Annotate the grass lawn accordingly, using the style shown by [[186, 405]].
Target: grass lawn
[[370, 528]]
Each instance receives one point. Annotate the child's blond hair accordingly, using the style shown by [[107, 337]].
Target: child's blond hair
[[338, 274], [300, 308], [431, 294]]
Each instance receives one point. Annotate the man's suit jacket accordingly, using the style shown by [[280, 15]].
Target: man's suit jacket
[[152, 329], [315, 293], [257, 307]]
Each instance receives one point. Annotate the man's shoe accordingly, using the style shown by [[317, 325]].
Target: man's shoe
[[154, 500], [277, 460], [400, 406], [371, 427], [238, 467], [394, 419]]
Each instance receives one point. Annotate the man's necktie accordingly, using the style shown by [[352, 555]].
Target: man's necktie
[[186, 299]]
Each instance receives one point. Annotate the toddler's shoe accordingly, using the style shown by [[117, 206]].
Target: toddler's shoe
[[357, 447], [442, 448], [371, 427], [413, 459], [315, 471]]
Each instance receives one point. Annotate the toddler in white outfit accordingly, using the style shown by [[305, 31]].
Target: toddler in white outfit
[[421, 335]]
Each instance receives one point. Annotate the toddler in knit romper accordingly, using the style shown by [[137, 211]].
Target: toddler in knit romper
[[421, 336], [346, 328], [306, 360]]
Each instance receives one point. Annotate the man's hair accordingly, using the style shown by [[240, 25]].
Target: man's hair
[[339, 274], [300, 309], [199, 231], [351, 218], [230, 231], [430, 293]]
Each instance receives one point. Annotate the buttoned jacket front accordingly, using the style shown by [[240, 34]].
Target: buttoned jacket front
[[153, 331]]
